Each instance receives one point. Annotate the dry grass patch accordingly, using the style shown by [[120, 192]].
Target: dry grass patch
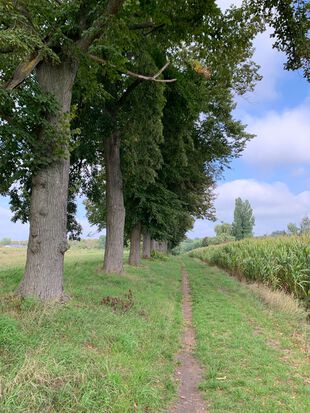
[[12, 257], [279, 300]]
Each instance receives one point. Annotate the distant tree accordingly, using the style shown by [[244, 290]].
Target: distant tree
[[221, 239], [244, 220], [6, 241], [305, 225], [223, 228], [292, 229], [101, 243], [278, 233]]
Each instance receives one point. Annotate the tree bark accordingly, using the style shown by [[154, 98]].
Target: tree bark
[[154, 245], [146, 245], [162, 247], [113, 257], [135, 238], [43, 276]]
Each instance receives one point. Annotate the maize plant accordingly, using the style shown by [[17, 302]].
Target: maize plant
[[280, 263]]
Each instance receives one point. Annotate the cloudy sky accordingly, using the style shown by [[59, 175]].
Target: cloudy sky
[[274, 171]]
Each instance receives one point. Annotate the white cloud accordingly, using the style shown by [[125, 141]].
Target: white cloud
[[282, 138], [270, 61], [271, 68], [274, 205]]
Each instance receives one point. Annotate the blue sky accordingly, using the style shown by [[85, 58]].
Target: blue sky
[[274, 171]]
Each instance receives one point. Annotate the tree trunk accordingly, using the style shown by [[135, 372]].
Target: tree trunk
[[163, 247], [113, 257], [43, 277], [154, 245], [135, 238], [146, 244]]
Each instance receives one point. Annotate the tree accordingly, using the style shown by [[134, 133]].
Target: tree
[[290, 21], [293, 229], [101, 242], [44, 44], [305, 225], [244, 220], [6, 241], [223, 228], [140, 162], [278, 233]]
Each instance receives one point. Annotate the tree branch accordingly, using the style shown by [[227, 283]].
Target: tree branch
[[94, 32], [137, 75], [22, 71], [127, 92], [145, 25], [25, 68], [155, 28]]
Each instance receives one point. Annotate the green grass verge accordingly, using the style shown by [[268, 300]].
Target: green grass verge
[[255, 359], [87, 357]]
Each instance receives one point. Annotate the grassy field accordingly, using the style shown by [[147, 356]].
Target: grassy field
[[86, 356], [256, 360], [279, 262]]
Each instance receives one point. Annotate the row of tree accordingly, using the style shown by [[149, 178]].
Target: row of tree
[[293, 229], [130, 103]]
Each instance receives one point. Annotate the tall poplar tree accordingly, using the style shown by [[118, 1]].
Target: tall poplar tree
[[244, 220]]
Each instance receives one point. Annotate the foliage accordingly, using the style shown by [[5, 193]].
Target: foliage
[[305, 226], [281, 263], [277, 233], [5, 241], [223, 228], [290, 22], [187, 245], [221, 239], [303, 229], [244, 220], [292, 229], [101, 243]]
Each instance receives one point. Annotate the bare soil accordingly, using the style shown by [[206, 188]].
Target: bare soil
[[189, 372]]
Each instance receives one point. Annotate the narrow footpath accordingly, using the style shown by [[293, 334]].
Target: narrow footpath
[[189, 372]]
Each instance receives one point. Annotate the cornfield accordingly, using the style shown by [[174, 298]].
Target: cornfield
[[280, 263]]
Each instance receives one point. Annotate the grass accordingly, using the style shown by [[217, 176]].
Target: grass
[[12, 257], [84, 356], [255, 359]]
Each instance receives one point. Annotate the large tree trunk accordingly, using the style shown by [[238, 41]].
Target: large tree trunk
[[113, 257], [43, 277], [146, 244], [135, 238]]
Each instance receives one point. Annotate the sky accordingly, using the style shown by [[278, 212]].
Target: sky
[[274, 170]]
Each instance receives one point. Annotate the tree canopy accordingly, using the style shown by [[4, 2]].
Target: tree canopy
[[242, 226]]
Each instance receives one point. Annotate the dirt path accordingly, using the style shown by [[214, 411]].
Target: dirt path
[[189, 372]]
